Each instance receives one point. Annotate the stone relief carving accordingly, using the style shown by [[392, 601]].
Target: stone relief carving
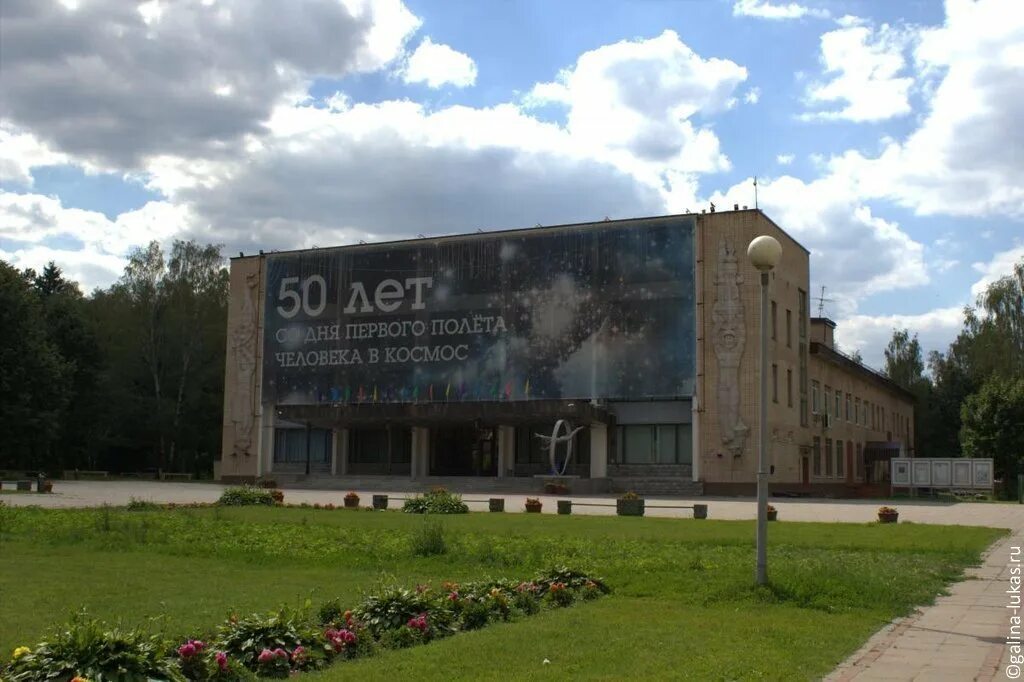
[[728, 337], [243, 343]]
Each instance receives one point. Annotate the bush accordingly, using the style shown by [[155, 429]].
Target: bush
[[331, 613], [401, 638], [86, 648], [137, 504], [560, 595], [392, 608], [571, 578], [526, 602], [246, 638], [429, 539], [437, 501], [475, 614], [245, 495]]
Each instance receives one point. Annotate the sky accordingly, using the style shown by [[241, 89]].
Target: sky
[[885, 136]]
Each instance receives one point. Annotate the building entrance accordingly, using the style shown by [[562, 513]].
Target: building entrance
[[463, 451]]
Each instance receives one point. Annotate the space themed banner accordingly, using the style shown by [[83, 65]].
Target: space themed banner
[[601, 311]]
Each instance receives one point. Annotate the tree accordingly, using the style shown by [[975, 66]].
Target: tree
[[993, 425], [70, 330], [196, 288], [904, 362], [33, 376]]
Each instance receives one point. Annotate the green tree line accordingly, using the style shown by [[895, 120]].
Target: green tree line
[[128, 378], [971, 401]]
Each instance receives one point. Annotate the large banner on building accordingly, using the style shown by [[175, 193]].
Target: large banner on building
[[588, 312]]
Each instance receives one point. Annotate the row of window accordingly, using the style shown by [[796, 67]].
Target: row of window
[[863, 413], [832, 461], [655, 444], [637, 444]]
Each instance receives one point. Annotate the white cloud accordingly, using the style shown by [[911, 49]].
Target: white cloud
[[134, 84], [870, 334], [636, 99], [20, 152], [865, 66], [964, 157], [40, 229], [784, 159], [999, 266], [764, 9], [838, 230], [436, 64], [752, 96], [395, 169]]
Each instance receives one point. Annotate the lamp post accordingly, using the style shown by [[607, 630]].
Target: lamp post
[[764, 253]]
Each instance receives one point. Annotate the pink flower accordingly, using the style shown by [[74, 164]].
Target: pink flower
[[222, 661], [198, 644], [266, 656], [454, 596], [187, 650], [280, 653], [299, 654]]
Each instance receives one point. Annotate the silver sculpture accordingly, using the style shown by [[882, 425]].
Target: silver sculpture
[[552, 441]]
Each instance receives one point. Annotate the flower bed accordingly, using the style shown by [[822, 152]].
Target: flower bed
[[288, 641], [437, 501]]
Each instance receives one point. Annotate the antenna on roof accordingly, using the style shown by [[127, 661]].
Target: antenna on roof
[[755, 192], [822, 301]]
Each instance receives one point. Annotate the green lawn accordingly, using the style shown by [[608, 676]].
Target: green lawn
[[683, 604]]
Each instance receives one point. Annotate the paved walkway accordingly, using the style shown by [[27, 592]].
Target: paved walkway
[[961, 637]]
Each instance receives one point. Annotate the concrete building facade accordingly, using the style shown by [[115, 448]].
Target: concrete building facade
[[458, 356]]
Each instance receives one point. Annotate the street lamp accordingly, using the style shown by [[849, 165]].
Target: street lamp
[[764, 253]]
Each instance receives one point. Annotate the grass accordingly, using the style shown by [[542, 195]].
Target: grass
[[684, 603]]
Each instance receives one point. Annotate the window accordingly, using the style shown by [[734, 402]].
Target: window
[[290, 446], [828, 400], [802, 313], [849, 407], [775, 383], [817, 456], [828, 457], [775, 320], [655, 444], [368, 446], [789, 388], [789, 328], [804, 417], [839, 401], [856, 411], [815, 388], [858, 464], [839, 459]]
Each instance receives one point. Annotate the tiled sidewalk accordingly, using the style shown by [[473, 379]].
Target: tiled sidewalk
[[961, 638]]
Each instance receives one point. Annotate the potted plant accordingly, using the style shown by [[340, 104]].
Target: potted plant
[[888, 515], [565, 506], [630, 504], [496, 504], [533, 505], [278, 496], [380, 501], [556, 488], [773, 513], [351, 501]]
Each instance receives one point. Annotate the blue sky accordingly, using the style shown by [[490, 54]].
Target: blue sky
[[879, 131]]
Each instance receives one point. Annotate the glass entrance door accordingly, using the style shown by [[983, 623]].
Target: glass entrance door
[[463, 451]]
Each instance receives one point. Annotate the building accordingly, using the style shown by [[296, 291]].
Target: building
[[636, 340]]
